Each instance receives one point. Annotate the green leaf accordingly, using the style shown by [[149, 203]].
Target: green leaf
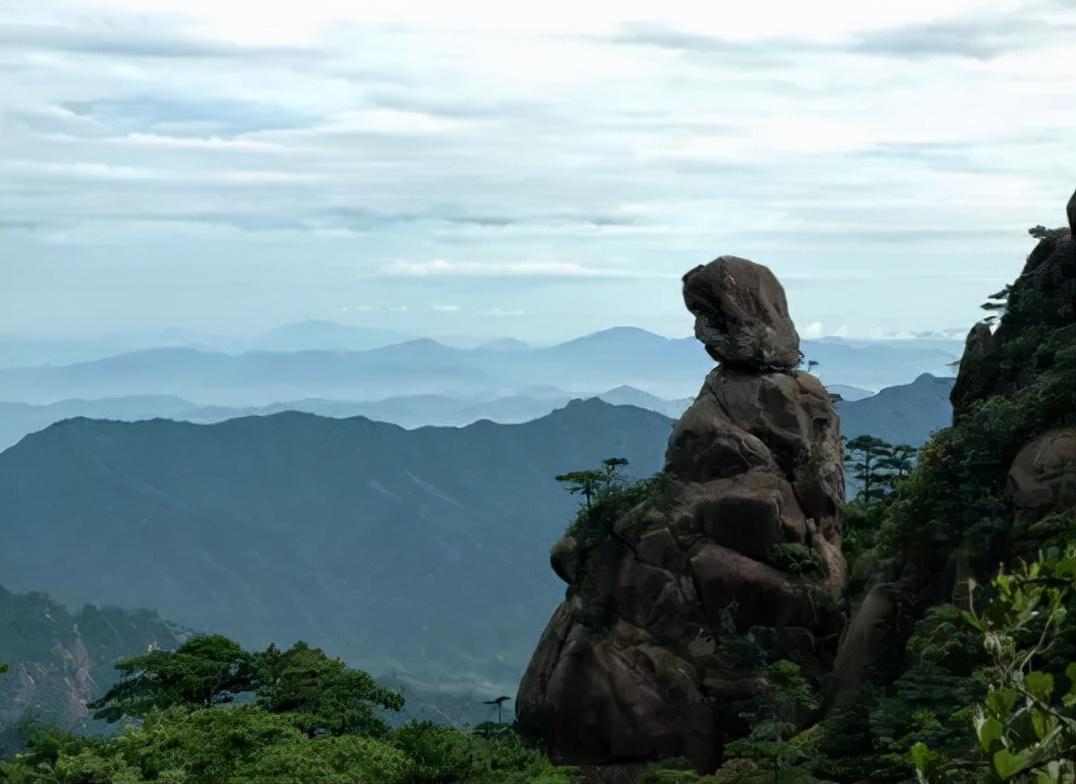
[[988, 730], [1040, 685], [1007, 764], [1001, 702], [1042, 722]]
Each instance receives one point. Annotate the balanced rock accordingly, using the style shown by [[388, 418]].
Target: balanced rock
[[741, 315], [644, 659]]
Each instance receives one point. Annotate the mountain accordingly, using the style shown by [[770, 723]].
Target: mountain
[[419, 551], [19, 419], [904, 414], [59, 660], [319, 335], [669, 368], [849, 392], [630, 396]]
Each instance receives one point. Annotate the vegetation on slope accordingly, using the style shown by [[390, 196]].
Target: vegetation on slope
[[212, 712]]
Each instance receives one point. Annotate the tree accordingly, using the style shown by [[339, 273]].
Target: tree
[[865, 455], [592, 482], [1026, 725], [786, 699], [896, 465], [326, 695], [499, 702], [204, 671]]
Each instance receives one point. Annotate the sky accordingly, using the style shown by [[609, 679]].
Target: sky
[[530, 170]]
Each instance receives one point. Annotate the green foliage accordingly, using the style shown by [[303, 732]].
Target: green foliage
[[593, 483], [442, 755], [304, 718], [797, 559], [774, 716], [203, 671], [325, 695], [611, 498], [1026, 723], [877, 466]]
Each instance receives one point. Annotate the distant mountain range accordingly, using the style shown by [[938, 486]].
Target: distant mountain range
[[419, 553], [20, 419], [904, 414], [59, 659], [379, 543], [668, 368]]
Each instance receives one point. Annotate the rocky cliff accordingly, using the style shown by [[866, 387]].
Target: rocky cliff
[[738, 540], [60, 660], [996, 486]]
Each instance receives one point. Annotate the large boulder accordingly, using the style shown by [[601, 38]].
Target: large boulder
[[641, 661], [741, 315], [1072, 215], [1042, 478]]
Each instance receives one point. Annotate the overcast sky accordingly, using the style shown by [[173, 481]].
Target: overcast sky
[[538, 170]]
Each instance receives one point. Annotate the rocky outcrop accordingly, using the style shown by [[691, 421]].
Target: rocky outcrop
[[1042, 478], [741, 315], [644, 660], [61, 660], [1042, 300], [1012, 449]]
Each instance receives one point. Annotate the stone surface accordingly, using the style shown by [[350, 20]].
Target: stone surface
[[1042, 478], [741, 315], [1072, 214], [640, 660]]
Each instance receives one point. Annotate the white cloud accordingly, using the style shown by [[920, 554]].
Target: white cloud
[[547, 148], [446, 308], [812, 330], [480, 269], [503, 312]]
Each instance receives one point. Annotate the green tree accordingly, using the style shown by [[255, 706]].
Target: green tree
[[593, 482], [204, 671], [786, 699], [896, 465], [865, 455], [325, 695]]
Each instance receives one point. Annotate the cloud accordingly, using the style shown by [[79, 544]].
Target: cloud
[[503, 312], [446, 308], [484, 269], [979, 37], [812, 330], [179, 115], [111, 39]]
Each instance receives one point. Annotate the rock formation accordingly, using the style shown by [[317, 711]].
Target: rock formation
[[644, 659], [1023, 460]]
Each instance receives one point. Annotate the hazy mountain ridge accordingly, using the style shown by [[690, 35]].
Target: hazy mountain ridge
[[669, 368], [412, 411], [903, 414], [346, 533]]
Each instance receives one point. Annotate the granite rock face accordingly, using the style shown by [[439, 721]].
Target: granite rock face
[[641, 660], [1043, 300], [741, 315]]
